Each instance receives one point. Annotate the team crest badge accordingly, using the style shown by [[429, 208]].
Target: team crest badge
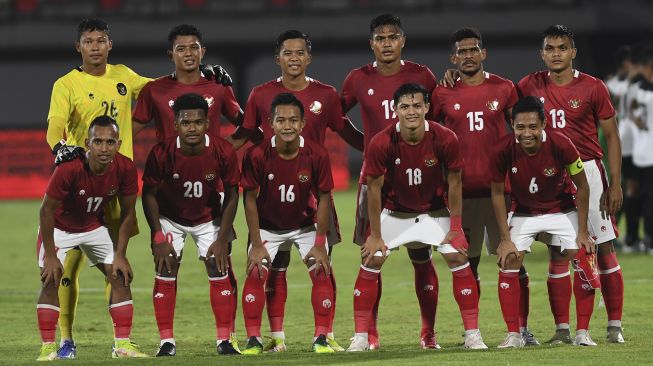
[[122, 89], [575, 103], [315, 107], [430, 161], [456, 106], [209, 176], [112, 191], [550, 172], [303, 176], [493, 105], [209, 99]]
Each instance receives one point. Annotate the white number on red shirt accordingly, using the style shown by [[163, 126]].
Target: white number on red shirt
[[93, 203], [533, 186], [414, 176], [193, 189], [475, 121], [389, 106], [287, 195], [558, 118]]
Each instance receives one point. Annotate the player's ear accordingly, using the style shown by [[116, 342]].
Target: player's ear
[[78, 47], [427, 107], [483, 54], [453, 59], [202, 52], [87, 143], [276, 59], [118, 145], [110, 44], [169, 52], [573, 53], [403, 40]]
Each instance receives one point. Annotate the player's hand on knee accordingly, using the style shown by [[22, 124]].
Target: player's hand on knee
[[505, 249], [218, 73], [219, 251], [457, 239], [319, 255], [66, 153], [257, 257], [121, 267], [52, 271], [371, 246], [449, 78], [164, 253]]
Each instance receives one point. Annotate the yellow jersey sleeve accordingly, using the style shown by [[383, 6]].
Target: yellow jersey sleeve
[[575, 167], [59, 101]]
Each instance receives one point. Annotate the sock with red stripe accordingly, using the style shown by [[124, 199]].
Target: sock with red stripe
[[426, 288], [509, 298], [322, 300], [612, 285], [48, 316], [558, 284], [164, 298], [122, 314], [366, 291], [276, 292], [221, 294], [466, 295], [253, 301]]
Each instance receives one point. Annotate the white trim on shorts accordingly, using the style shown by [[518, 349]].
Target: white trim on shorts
[[563, 228], [282, 240], [600, 229], [96, 244], [203, 234]]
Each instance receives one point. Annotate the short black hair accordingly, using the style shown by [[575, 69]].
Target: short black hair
[[103, 121], [291, 34], [557, 31], [190, 101], [464, 33], [383, 20], [411, 89], [92, 24], [529, 104], [183, 30], [287, 99]]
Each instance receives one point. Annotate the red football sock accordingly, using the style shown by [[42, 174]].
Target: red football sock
[[524, 299], [509, 298], [322, 300], [48, 316], [426, 288], [373, 331], [164, 298], [559, 285], [234, 298], [221, 293], [612, 285], [335, 295], [366, 290], [254, 301], [122, 314], [466, 295], [276, 292]]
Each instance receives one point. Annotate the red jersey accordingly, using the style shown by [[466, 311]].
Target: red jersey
[[287, 188], [540, 183], [476, 113], [157, 97], [414, 174], [374, 92], [575, 109], [321, 108], [83, 194], [189, 186]]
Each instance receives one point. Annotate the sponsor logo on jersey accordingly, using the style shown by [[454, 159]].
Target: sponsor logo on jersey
[[82, 192], [250, 298], [575, 102], [326, 304], [158, 295], [175, 176], [171, 103], [504, 285], [122, 89], [91, 96], [430, 161], [357, 292], [112, 191], [209, 176], [493, 104], [550, 172], [209, 99], [315, 107], [225, 293], [270, 176], [303, 176], [370, 91], [514, 170], [456, 107], [466, 291]]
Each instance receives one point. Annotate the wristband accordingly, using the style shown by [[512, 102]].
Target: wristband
[[158, 237], [320, 240], [456, 223]]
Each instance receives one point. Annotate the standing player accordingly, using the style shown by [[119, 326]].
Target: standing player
[[181, 197], [406, 166], [293, 55], [578, 104], [476, 108], [372, 86], [72, 215], [541, 167], [93, 89], [287, 187]]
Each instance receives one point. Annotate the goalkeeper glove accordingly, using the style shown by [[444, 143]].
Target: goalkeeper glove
[[66, 153], [216, 72]]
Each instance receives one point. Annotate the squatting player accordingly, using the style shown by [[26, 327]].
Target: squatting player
[[577, 105], [372, 86], [410, 168], [293, 55], [287, 187], [542, 167], [72, 215], [182, 182]]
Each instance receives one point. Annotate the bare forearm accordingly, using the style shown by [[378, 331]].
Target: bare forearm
[[499, 207], [137, 127], [228, 211], [455, 194], [614, 159], [46, 227], [352, 135], [582, 198], [374, 209], [251, 217], [127, 218], [151, 209], [323, 210]]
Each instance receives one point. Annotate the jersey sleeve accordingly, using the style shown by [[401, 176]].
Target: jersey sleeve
[[324, 176], [250, 118], [436, 109], [60, 182], [523, 87], [230, 107], [450, 151], [376, 156], [129, 178], [334, 119], [567, 151], [603, 108], [144, 110], [60, 101], [152, 175], [430, 83], [347, 94], [248, 179], [137, 82], [499, 163], [230, 174], [512, 95]]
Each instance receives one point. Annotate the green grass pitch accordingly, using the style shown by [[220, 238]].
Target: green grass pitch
[[399, 321]]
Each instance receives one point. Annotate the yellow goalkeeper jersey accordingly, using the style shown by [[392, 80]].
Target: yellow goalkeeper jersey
[[78, 98]]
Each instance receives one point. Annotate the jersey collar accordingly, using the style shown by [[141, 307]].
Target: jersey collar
[[426, 126], [374, 64], [301, 141], [206, 141]]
